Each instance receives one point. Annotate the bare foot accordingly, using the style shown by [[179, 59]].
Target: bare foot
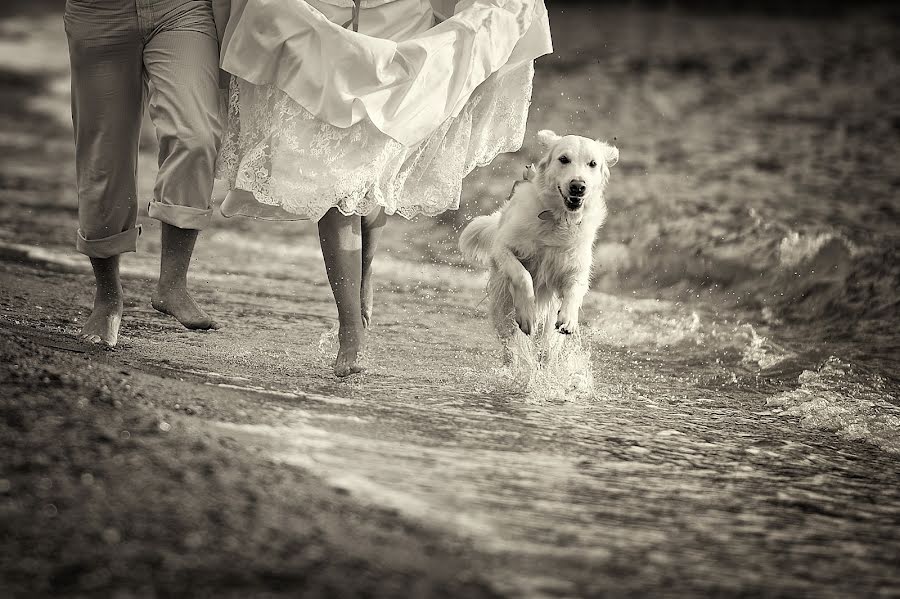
[[177, 302], [348, 358], [365, 298], [102, 326]]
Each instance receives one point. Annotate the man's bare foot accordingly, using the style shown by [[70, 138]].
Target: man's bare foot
[[365, 298], [352, 340], [102, 326], [178, 303]]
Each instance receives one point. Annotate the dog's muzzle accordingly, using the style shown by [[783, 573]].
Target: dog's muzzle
[[574, 203], [575, 198]]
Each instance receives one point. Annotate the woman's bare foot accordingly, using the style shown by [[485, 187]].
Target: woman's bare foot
[[102, 326], [352, 340], [365, 297], [178, 303]]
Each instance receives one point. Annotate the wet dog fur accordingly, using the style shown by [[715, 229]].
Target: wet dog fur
[[539, 244]]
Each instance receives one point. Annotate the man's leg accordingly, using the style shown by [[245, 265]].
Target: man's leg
[[181, 62], [102, 326], [107, 91], [171, 296]]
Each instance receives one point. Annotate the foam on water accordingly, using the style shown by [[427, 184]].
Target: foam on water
[[641, 328], [663, 326], [836, 397], [796, 249]]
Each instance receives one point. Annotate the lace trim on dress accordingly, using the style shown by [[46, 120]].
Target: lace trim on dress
[[286, 157]]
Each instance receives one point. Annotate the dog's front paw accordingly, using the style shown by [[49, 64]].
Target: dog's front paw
[[525, 319], [566, 324], [526, 324]]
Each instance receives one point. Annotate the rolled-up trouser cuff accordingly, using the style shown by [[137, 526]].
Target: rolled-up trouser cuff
[[183, 217], [120, 243]]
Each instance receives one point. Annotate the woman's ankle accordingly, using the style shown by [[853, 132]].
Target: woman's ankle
[[351, 330]]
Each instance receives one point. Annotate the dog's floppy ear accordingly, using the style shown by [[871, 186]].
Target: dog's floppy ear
[[544, 163], [547, 138], [612, 154]]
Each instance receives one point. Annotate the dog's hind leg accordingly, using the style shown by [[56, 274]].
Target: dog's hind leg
[[547, 306], [502, 310]]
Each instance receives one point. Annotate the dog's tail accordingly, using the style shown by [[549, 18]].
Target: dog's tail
[[478, 237]]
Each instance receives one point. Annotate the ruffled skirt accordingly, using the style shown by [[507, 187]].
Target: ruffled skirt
[[380, 138]]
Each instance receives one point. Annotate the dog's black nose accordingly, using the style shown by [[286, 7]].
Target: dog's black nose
[[577, 187]]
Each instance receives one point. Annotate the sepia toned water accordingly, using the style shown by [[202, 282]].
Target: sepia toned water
[[727, 422], [665, 437]]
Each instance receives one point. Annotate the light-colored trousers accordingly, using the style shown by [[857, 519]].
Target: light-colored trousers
[[126, 55]]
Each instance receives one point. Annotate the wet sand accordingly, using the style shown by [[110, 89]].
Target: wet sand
[[109, 490]]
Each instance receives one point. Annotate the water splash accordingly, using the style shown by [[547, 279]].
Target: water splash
[[554, 367], [761, 351], [839, 398], [328, 342]]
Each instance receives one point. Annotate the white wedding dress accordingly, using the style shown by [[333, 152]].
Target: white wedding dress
[[395, 115]]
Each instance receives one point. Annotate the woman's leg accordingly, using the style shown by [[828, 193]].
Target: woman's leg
[[341, 240], [372, 228]]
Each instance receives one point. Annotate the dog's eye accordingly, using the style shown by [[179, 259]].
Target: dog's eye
[[564, 159], [592, 164]]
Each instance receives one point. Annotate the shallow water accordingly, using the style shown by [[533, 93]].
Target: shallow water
[[664, 435], [669, 445], [738, 434]]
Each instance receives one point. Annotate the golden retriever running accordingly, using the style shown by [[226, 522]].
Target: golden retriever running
[[539, 245]]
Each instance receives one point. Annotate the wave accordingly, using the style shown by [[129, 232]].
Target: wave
[[841, 398], [826, 275], [817, 277]]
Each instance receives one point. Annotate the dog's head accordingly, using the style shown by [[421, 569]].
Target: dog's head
[[574, 171]]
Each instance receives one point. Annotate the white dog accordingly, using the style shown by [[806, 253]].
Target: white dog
[[539, 245]]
